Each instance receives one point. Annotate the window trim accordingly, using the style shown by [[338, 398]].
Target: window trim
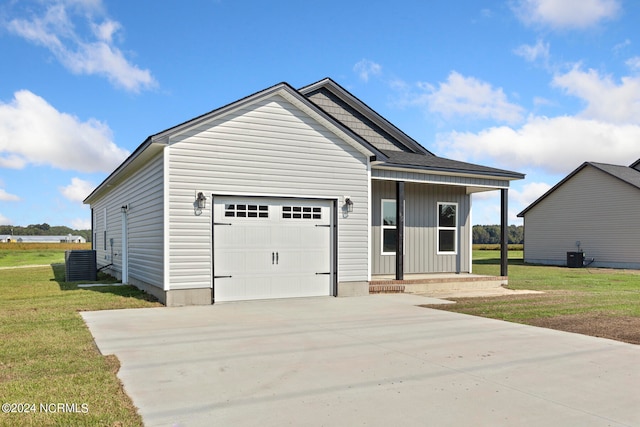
[[454, 229], [384, 227]]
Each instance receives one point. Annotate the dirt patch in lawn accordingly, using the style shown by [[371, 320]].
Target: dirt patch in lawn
[[625, 329], [568, 311]]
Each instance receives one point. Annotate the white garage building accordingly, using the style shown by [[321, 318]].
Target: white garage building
[[284, 193]]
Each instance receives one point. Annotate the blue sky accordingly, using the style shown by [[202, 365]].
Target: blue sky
[[534, 86]]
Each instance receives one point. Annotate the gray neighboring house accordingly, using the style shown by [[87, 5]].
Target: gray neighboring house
[[284, 193], [595, 210]]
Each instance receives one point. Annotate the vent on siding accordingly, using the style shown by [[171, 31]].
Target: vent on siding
[[80, 265]]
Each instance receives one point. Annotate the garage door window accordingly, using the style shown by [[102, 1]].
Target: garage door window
[[301, 212], [246, 211]]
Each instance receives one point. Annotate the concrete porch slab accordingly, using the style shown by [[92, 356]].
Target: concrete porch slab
[[440, 282]]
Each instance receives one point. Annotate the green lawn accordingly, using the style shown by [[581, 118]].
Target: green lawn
[[48, 355], [600, 302], [21, 254]]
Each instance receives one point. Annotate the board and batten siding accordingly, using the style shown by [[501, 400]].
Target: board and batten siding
[[421, 217], [268, 148], [592, 207], [143, 193]]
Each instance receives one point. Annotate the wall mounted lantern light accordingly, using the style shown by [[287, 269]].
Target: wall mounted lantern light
[[348, 203], [201, 201]]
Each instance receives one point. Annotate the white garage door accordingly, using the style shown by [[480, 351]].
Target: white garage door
[[268, 248]]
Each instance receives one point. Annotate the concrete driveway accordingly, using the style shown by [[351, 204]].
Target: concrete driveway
[[377, 360]]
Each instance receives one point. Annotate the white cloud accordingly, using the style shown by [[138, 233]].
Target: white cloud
[[8, 197], [530, 192], [92, 54], [365, 68], [606, 100], [468, 97], [78, 190], [566, 14], [556, 145], [34, 132], [539, 51], [633, 63], [81, 224]]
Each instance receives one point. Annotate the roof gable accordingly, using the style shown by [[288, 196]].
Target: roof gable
[[155, 143], [626, 175], [354, 113], [290, 94]]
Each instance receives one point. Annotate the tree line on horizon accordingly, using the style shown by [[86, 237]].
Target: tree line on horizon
[[490, 234], [43, 230]]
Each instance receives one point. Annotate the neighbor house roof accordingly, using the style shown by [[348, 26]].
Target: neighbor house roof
[[626, 174]]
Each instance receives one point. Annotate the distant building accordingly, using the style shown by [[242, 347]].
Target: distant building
[[7, 238], [595, 210]]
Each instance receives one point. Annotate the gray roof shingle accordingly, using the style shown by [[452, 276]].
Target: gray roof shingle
[[432, 162]]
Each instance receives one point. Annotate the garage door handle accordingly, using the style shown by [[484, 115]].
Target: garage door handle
[[277, 256], [273, 258]]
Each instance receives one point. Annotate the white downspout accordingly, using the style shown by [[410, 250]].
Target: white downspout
[[125, 250]]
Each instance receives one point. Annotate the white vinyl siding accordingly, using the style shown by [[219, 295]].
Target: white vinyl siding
[[143, 193], [269, 148], [592, 207], [421, 222]]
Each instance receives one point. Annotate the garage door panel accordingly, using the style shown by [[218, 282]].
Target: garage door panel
[[275, 253], [240, 288]]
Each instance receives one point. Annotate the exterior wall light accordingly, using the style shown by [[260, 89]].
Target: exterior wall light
[[201, 201], [349, 204]]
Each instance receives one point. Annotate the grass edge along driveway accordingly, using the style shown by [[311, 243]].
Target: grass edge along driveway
[[51, 373]]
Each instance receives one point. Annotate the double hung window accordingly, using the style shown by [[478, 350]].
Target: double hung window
[[389, 227], [447, 228]]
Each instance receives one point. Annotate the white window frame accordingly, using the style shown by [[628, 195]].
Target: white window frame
[[454, 229], [386, 227]]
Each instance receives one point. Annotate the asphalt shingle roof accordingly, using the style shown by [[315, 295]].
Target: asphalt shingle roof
[[422, 161], [624, 173]]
